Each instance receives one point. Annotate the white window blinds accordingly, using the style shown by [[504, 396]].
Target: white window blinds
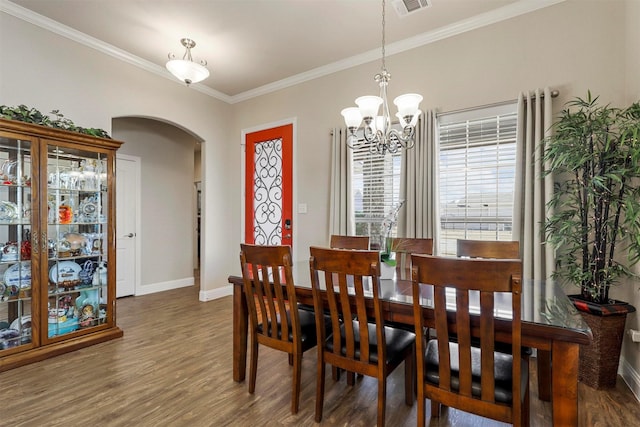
[[376, 189], [477, 164]]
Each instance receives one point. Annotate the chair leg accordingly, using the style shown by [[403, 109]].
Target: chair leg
[[295, 392], [351, 378], [421, 415], [409, 377], [253, 365], [320, 389], [435, 409], [382, 400], [526, 414], [335, 373]]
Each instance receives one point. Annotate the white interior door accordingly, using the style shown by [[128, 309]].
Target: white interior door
[[127, 224]]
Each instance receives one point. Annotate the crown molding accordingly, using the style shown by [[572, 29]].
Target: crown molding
[[106, 48], [488, 18]]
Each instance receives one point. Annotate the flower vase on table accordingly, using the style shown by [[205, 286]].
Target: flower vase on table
[[387, 255], [387, 271]]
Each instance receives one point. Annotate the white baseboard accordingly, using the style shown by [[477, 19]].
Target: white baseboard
[[216, 293], [630, 376], [165, 286]]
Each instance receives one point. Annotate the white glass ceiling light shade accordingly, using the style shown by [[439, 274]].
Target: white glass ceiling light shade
[[369, 105], [186, 69], [377, 130], [352, 117], [408, 104]]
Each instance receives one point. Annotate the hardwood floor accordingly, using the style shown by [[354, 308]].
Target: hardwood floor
[[173, 368]]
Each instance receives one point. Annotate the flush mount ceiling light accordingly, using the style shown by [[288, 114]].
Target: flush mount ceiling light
[[377, 130], [186, 69]]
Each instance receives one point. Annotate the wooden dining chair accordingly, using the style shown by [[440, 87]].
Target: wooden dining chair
[[272, 322], [349, 242], [500, 249], [458, 374], [344, 242], [403, 248], [349, 281], [494, 249]]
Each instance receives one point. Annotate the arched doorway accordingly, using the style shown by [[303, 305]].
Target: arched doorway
[[167, 201]]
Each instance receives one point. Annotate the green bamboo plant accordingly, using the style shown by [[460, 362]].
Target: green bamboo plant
[[594, 154]]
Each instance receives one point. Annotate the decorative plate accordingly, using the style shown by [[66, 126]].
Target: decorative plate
[[88, 210], [64, 271], [8, 211], [19, 274], [21, 323]]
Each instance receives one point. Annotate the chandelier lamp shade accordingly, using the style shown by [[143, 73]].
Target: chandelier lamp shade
[[186, 69], [378, 131]]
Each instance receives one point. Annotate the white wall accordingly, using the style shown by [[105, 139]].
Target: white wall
[[46, 71], [630, 291], [168, 211]]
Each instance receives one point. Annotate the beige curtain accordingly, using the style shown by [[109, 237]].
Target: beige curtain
[[341, 216], [533, 190], [419, 186]]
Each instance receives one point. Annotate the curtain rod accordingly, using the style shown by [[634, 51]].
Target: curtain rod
[[554, 94]]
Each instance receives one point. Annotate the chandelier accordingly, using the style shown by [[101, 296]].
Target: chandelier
[[186, 69], [377, 130]]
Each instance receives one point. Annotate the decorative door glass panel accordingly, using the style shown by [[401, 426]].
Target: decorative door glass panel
[[15, 243], [267, 193], [75, 239]]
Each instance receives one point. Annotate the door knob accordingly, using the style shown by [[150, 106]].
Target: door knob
[[130, 235]]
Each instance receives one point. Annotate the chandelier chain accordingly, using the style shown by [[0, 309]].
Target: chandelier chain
[[384, 66], [377, 130]]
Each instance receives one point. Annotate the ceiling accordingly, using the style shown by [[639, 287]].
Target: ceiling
[[257, 46]]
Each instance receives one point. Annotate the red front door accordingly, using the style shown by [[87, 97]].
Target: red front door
[[268, 186]]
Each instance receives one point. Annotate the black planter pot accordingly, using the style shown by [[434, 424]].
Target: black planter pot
[[599, 361]]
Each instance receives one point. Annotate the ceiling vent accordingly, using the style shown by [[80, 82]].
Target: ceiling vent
[[405, 7]]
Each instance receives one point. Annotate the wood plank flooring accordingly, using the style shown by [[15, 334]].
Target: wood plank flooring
[[173, 368]]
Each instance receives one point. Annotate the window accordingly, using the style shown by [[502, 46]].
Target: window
[[477, 164], [375, 187]]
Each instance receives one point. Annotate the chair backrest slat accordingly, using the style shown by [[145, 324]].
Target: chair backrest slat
[[463, 321]]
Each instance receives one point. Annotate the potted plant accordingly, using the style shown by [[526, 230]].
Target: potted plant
[[594, 220], [25, 114]]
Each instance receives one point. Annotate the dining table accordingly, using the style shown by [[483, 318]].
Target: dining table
[[550, 324]]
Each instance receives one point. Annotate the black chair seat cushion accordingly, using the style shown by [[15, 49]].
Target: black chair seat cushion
[[502, 371], [307, 328], [500, 346], [398, 340]]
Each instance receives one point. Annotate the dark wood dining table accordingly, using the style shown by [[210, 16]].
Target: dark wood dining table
[[550, 324]]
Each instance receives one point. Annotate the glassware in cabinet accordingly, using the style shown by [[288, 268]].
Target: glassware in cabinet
[[15, 243], [76, 230]]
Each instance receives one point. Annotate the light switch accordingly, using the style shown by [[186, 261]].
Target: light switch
[[302, 208]]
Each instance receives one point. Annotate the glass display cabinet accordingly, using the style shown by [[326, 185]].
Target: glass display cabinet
[[57, 253]]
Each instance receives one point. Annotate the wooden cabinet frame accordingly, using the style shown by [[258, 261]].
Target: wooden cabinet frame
[[44, 143]]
